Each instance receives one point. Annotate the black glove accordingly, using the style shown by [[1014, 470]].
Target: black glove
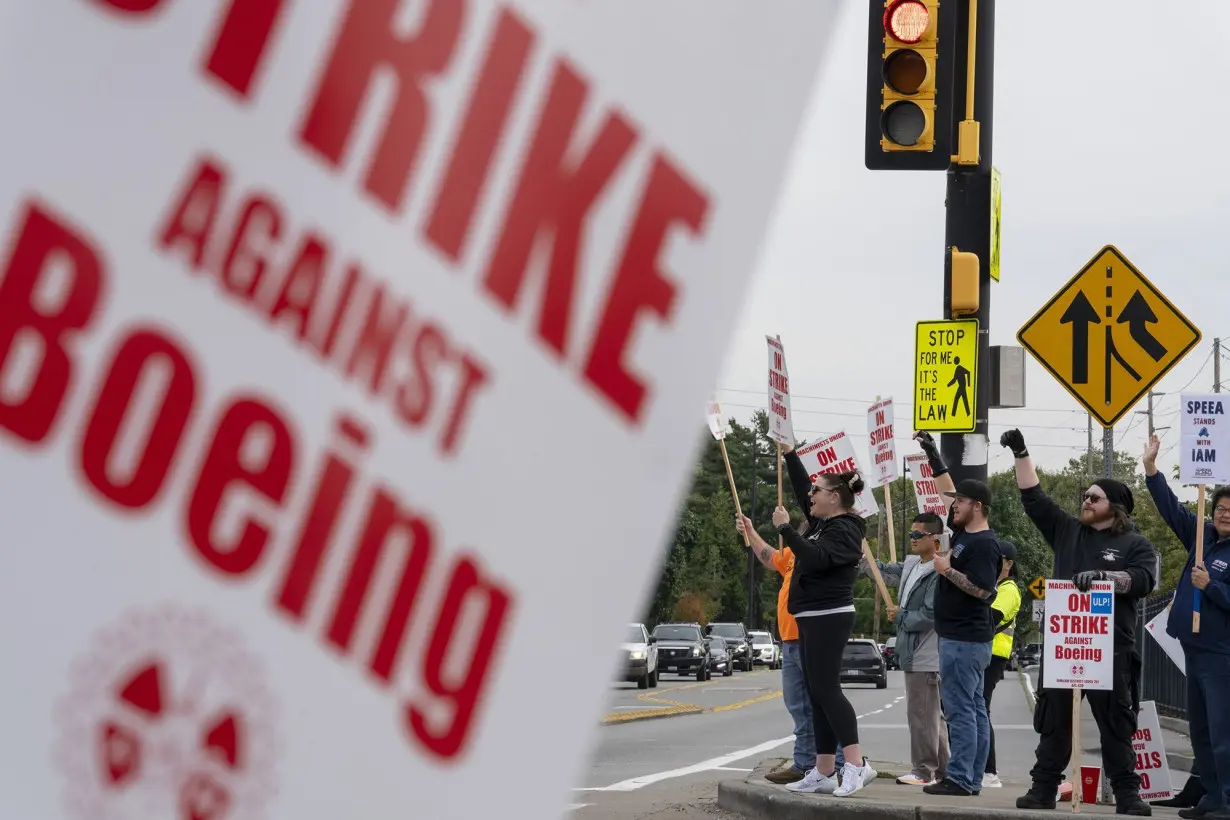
[[1015, 442], [1084, 580], [932, 451]]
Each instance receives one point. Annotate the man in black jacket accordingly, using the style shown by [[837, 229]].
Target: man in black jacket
[[1101, 545]]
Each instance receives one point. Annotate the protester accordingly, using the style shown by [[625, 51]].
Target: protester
[[821, 599], [968, 572], [1004, 609], [918, 650], [1206, 654], [1102, 545], [794, 688]]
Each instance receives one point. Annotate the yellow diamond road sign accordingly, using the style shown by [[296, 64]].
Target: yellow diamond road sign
[[945, 376], [1108, 336]]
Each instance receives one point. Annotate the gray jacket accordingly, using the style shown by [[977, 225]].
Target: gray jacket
[[918, 648]]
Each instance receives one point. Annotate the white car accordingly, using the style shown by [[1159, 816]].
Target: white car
[[765, 651], [640, 657]]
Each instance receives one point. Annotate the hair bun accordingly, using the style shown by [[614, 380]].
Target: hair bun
[[855, 483]]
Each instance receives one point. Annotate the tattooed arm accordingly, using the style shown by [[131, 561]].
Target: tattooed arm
[[963, 583], [765, 554]]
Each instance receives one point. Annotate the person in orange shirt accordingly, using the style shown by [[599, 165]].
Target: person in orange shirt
[[794, 687]]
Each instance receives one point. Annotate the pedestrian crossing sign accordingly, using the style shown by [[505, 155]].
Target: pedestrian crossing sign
[[946, 376]]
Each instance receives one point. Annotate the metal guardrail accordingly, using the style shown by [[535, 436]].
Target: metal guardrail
[[1160, 680]]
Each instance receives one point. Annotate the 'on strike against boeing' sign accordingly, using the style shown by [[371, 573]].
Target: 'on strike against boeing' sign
[[1078, 641]]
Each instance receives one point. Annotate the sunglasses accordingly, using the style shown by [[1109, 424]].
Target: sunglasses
[[1094, 498], [816, 488], [915, 535]]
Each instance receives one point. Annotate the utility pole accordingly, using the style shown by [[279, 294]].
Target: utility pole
[[1089, 454], [1108, 452], [1217, 365], [967, 222]]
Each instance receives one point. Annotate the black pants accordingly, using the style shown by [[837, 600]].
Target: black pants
[[822, 639], [993, 675], [1115, 713]]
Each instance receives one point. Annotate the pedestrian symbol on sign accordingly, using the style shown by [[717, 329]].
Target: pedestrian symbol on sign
[[960, 377]]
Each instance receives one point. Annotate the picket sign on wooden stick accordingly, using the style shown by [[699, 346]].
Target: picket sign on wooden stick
[[1200, 501], [875, 573], [717, 427], [888, 506], [1076, 751]]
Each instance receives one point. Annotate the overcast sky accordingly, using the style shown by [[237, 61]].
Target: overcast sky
[[1097, 144]]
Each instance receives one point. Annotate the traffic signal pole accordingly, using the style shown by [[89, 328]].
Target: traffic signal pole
[[967, 222]]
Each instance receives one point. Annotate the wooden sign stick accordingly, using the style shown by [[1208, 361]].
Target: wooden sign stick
[[875, 573], [1199, 554], [734, 493]]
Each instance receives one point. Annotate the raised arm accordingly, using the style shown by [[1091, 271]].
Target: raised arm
[[764, 553], [1182, 521], [891, 573], [1050, 519], [939, 470]]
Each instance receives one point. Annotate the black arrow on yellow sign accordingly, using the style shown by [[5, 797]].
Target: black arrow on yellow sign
[[1137, 314], [1080, 314]]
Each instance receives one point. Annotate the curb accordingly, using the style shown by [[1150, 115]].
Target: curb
[[1030, 697], [650, 714]]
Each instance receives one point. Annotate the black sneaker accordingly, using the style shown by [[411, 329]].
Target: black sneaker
[[1133, 805], [1191, 813], [947, 788], [1033, 799]]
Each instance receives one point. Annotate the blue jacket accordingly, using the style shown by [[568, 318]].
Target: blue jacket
[[1214, 635]]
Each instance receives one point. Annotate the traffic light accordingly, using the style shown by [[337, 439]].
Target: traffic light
[[963, 287], [910, 56]]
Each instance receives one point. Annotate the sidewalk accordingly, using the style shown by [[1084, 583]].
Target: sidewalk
[[886, 800]]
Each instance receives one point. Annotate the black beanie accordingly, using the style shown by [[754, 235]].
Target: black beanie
[[1117, 493]]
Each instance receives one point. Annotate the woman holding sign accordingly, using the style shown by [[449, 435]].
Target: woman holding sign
[[1206, 654], [821, 599]]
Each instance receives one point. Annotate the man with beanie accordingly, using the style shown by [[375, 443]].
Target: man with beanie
[[1101, 545], [968, 571]]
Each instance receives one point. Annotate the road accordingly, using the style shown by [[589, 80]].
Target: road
[[670, 767]]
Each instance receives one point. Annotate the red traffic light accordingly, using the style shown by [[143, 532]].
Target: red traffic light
[[906, 20]]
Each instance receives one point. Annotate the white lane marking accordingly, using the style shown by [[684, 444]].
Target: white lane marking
[[705, 765], [1006, 727], [730, 769], [575, 806]]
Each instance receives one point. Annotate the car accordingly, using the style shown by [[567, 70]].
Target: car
[[890, 653], [719, 656], [1025, 656], [740, 642], [641, 657], [861, 662], [682, 650], [765, 651]]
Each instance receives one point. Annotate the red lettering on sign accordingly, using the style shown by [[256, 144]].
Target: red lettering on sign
[[369, 41], [43, 246], [248, 460], [133, 7], [242, 42]]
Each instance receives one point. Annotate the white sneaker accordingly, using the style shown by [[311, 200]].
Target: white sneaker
[[815, 783], [991, 781], [854, 778], [913, 779]]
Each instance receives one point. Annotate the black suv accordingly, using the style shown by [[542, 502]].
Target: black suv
[[861, 662], [738, 643], [682, 649]]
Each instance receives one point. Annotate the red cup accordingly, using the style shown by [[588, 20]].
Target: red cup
[[1089, 783]]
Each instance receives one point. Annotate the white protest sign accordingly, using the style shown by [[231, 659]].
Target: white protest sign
[[717, 425], [926, 493], [1169, 644], [1204, 439], [1151, 762], [882, 447], [1078, 636], [781, 421], [301, 306], [835, 454]]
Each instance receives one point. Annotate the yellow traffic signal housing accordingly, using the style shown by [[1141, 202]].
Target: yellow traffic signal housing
[[907, 118], [910, 65], [963, 286]]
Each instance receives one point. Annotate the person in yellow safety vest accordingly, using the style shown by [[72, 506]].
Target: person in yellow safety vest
[[1004, 607]]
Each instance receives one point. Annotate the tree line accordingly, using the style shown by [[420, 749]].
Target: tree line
[[705, 571]]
